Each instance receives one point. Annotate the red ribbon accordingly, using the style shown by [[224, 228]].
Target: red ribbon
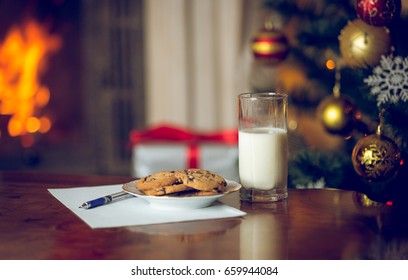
[[168, 133]]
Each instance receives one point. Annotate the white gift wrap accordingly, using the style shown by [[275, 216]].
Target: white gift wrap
[[217, 158]]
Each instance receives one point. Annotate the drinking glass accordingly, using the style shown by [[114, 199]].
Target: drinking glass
[[263, 146]]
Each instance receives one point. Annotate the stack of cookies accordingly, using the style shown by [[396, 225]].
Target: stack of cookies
[[187, 182]]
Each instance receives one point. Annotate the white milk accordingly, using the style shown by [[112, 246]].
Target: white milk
[[263, 157]]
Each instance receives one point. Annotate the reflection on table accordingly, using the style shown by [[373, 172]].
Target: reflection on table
[[310, 224]]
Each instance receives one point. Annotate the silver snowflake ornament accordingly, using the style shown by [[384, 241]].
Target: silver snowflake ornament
[[389, 81]]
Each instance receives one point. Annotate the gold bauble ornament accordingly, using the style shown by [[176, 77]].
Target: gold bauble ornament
[[338, 115], [376, 157], [362, 45]]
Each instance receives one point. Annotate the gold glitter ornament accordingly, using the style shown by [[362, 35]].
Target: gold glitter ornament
[[362, 45], [376, 157]]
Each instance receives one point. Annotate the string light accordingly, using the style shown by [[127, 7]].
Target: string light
[[330, 64]]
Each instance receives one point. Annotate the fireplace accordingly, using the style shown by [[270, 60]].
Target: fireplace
[[89, 86]]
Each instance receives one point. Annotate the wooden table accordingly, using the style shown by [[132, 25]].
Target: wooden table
[[311, 224]]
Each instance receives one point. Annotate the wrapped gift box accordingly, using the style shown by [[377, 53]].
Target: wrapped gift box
[[167, 147]]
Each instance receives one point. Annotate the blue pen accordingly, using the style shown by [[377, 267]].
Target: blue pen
[[105, 200]]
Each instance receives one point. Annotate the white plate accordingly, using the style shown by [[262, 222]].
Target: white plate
[[186, 202]]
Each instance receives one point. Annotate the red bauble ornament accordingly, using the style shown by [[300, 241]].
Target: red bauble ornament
[[378, 12], [270, 46]]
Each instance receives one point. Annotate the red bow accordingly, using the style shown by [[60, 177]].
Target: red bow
[[166, 133]]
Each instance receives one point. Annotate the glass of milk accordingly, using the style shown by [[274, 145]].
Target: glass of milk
[[263, 146]]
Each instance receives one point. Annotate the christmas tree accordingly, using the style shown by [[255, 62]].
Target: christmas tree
[[352, 57]]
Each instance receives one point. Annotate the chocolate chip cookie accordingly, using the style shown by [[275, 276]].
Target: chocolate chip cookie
[[187, 182], [201, 179], [157, 180], [166, 190]]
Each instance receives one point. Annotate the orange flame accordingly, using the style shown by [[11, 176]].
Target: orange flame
[[23, 55]]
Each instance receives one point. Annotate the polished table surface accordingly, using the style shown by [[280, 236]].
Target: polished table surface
[[310, 224]]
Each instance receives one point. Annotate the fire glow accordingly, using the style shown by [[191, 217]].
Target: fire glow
[[23, 56]]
